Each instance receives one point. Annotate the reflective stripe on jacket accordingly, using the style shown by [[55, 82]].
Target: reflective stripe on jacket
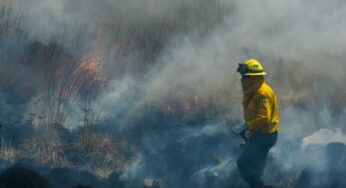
[[260, 106]]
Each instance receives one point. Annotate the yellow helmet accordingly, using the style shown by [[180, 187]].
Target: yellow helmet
[[251, 67]]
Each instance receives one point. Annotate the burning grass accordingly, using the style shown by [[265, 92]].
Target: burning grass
[[139, 97]]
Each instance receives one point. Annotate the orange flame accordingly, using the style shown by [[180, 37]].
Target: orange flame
[[91, 69]]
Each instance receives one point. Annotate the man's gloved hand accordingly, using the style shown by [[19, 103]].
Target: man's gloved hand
[[239, 129]]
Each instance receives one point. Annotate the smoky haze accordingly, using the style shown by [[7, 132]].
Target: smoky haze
[[170, 77]]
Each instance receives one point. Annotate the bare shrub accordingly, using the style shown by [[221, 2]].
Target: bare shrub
[[46, 147], [8, 152], [104, 154]]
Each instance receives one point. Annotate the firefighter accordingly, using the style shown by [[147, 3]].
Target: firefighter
[[261, 122]]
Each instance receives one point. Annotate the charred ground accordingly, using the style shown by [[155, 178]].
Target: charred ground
[[121, 94]]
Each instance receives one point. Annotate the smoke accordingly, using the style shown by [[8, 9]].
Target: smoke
[[171, 65], [324, 136]]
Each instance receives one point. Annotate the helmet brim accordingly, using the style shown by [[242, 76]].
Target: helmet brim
[[255, 74]]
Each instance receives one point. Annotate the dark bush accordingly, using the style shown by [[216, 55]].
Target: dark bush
[[16, 177]]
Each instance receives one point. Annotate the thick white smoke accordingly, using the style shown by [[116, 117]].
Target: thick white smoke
[[197, 46]]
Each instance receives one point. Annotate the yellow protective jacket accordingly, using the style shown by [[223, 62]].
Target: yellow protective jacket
[[260, 106]]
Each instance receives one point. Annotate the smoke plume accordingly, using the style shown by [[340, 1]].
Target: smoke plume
[[163, 74]]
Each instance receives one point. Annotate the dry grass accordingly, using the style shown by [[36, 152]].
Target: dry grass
[[97, 153], [46, 147], [8, 153], [107, 154]]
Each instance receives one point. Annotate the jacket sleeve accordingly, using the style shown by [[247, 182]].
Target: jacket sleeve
[[263, 113]]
